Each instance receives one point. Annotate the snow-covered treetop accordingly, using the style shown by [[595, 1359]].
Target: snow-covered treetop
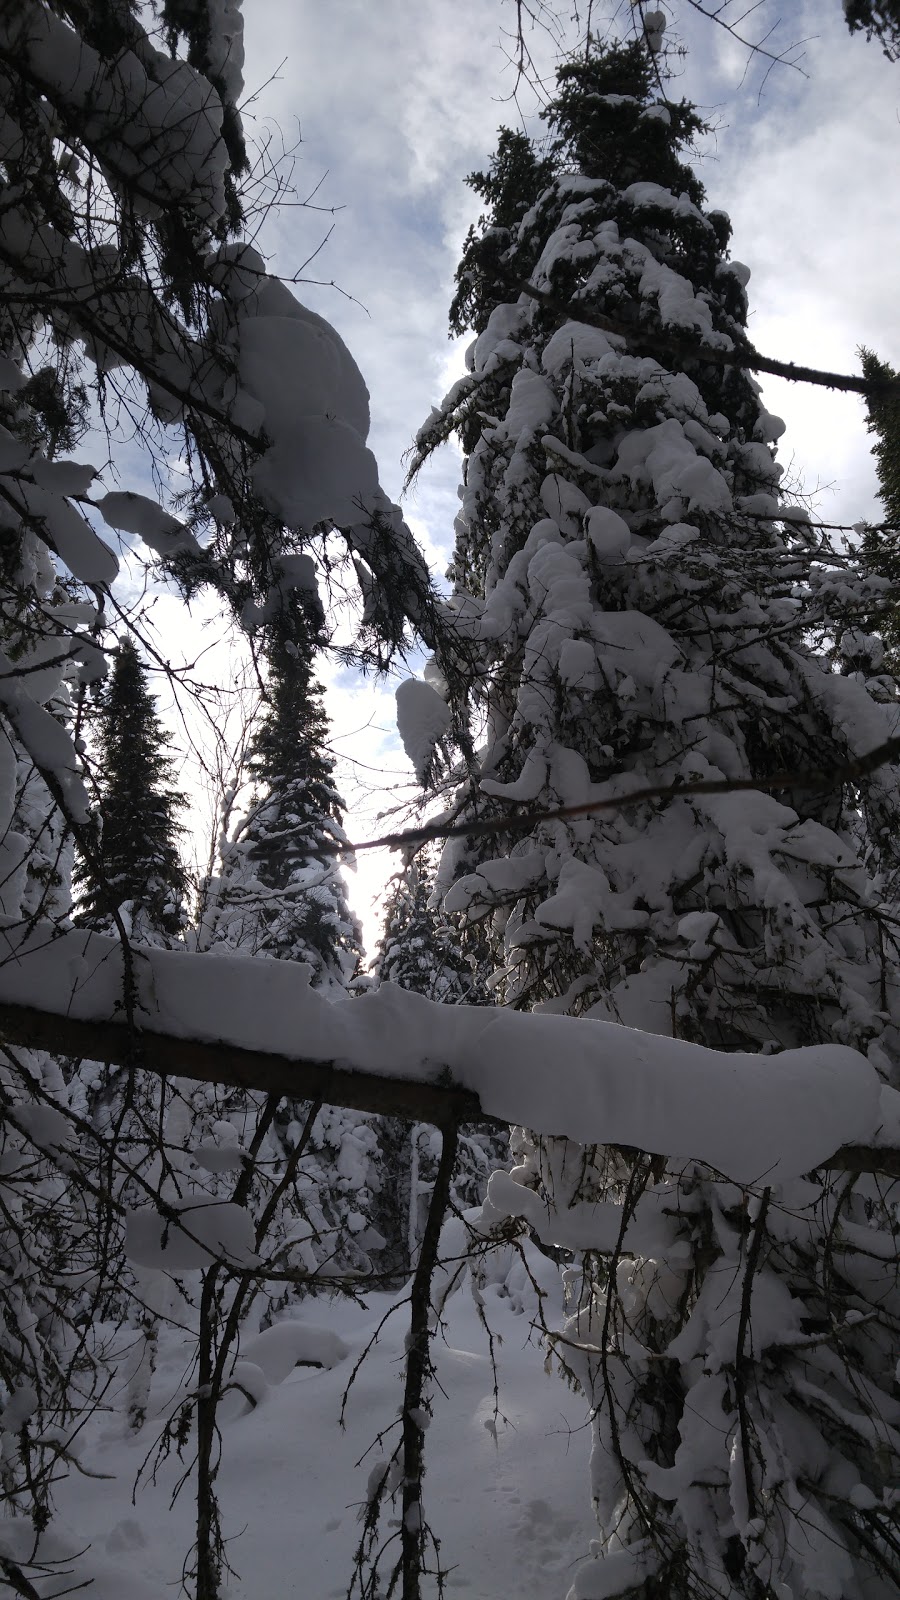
[[421, 949], [645, 609]]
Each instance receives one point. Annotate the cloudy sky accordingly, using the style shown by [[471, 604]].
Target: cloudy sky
[[395, 102]]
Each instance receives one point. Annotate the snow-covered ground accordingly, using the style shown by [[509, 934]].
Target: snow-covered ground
[[505, 1492]]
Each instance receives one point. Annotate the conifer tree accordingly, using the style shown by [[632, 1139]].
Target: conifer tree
[[122, 158], [421, 950], [131, 870], [135, 863], [880, 545], [280, 892], [649, 615], [280, 895]]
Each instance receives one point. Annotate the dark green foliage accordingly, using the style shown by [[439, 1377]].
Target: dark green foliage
[[880, 19], [881, 545], [281, 891], [517, 173], [884, 421], [135, 860], [600, 128], [421, 949], [293, 737], [602, 131]]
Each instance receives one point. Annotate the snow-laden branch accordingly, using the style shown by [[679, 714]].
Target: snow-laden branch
[[483, 827], [674, 344], [154, 125], [257, 1024]]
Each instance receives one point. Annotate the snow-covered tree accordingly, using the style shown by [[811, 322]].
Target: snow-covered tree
[[123, 284], [280, 894], [280, 891], [634, 605], [657, 638], [130, 879], [134, 867], [122, 281], [126, 291], [421, 950]]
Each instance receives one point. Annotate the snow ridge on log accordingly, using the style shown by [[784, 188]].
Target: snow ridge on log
[[258, 1024]]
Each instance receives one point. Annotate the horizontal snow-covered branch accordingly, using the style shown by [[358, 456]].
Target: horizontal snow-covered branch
[[258, 1025], [745, 358], [513, 821]]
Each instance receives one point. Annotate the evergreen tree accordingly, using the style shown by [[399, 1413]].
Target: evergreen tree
[[880, 547], [884, 421], [280, 895], [280, 892], [121, 162], [515, 175], [131, 868], [135, 864], [421, 950], [649, 615], [123, 284], [880, 19]]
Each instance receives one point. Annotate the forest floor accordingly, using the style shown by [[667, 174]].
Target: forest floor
[[506, 1490]]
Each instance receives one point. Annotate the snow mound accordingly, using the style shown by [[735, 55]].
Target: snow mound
[[286, 1345]]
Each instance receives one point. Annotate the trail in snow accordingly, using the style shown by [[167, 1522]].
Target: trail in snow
[[505, 1495]]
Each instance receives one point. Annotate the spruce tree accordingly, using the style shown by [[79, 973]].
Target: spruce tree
[[135, 863], [648, 614], [135, 871], [280, 895], [123, 285], [880, 546], [280, 892], [130, 873], [422, 950]]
